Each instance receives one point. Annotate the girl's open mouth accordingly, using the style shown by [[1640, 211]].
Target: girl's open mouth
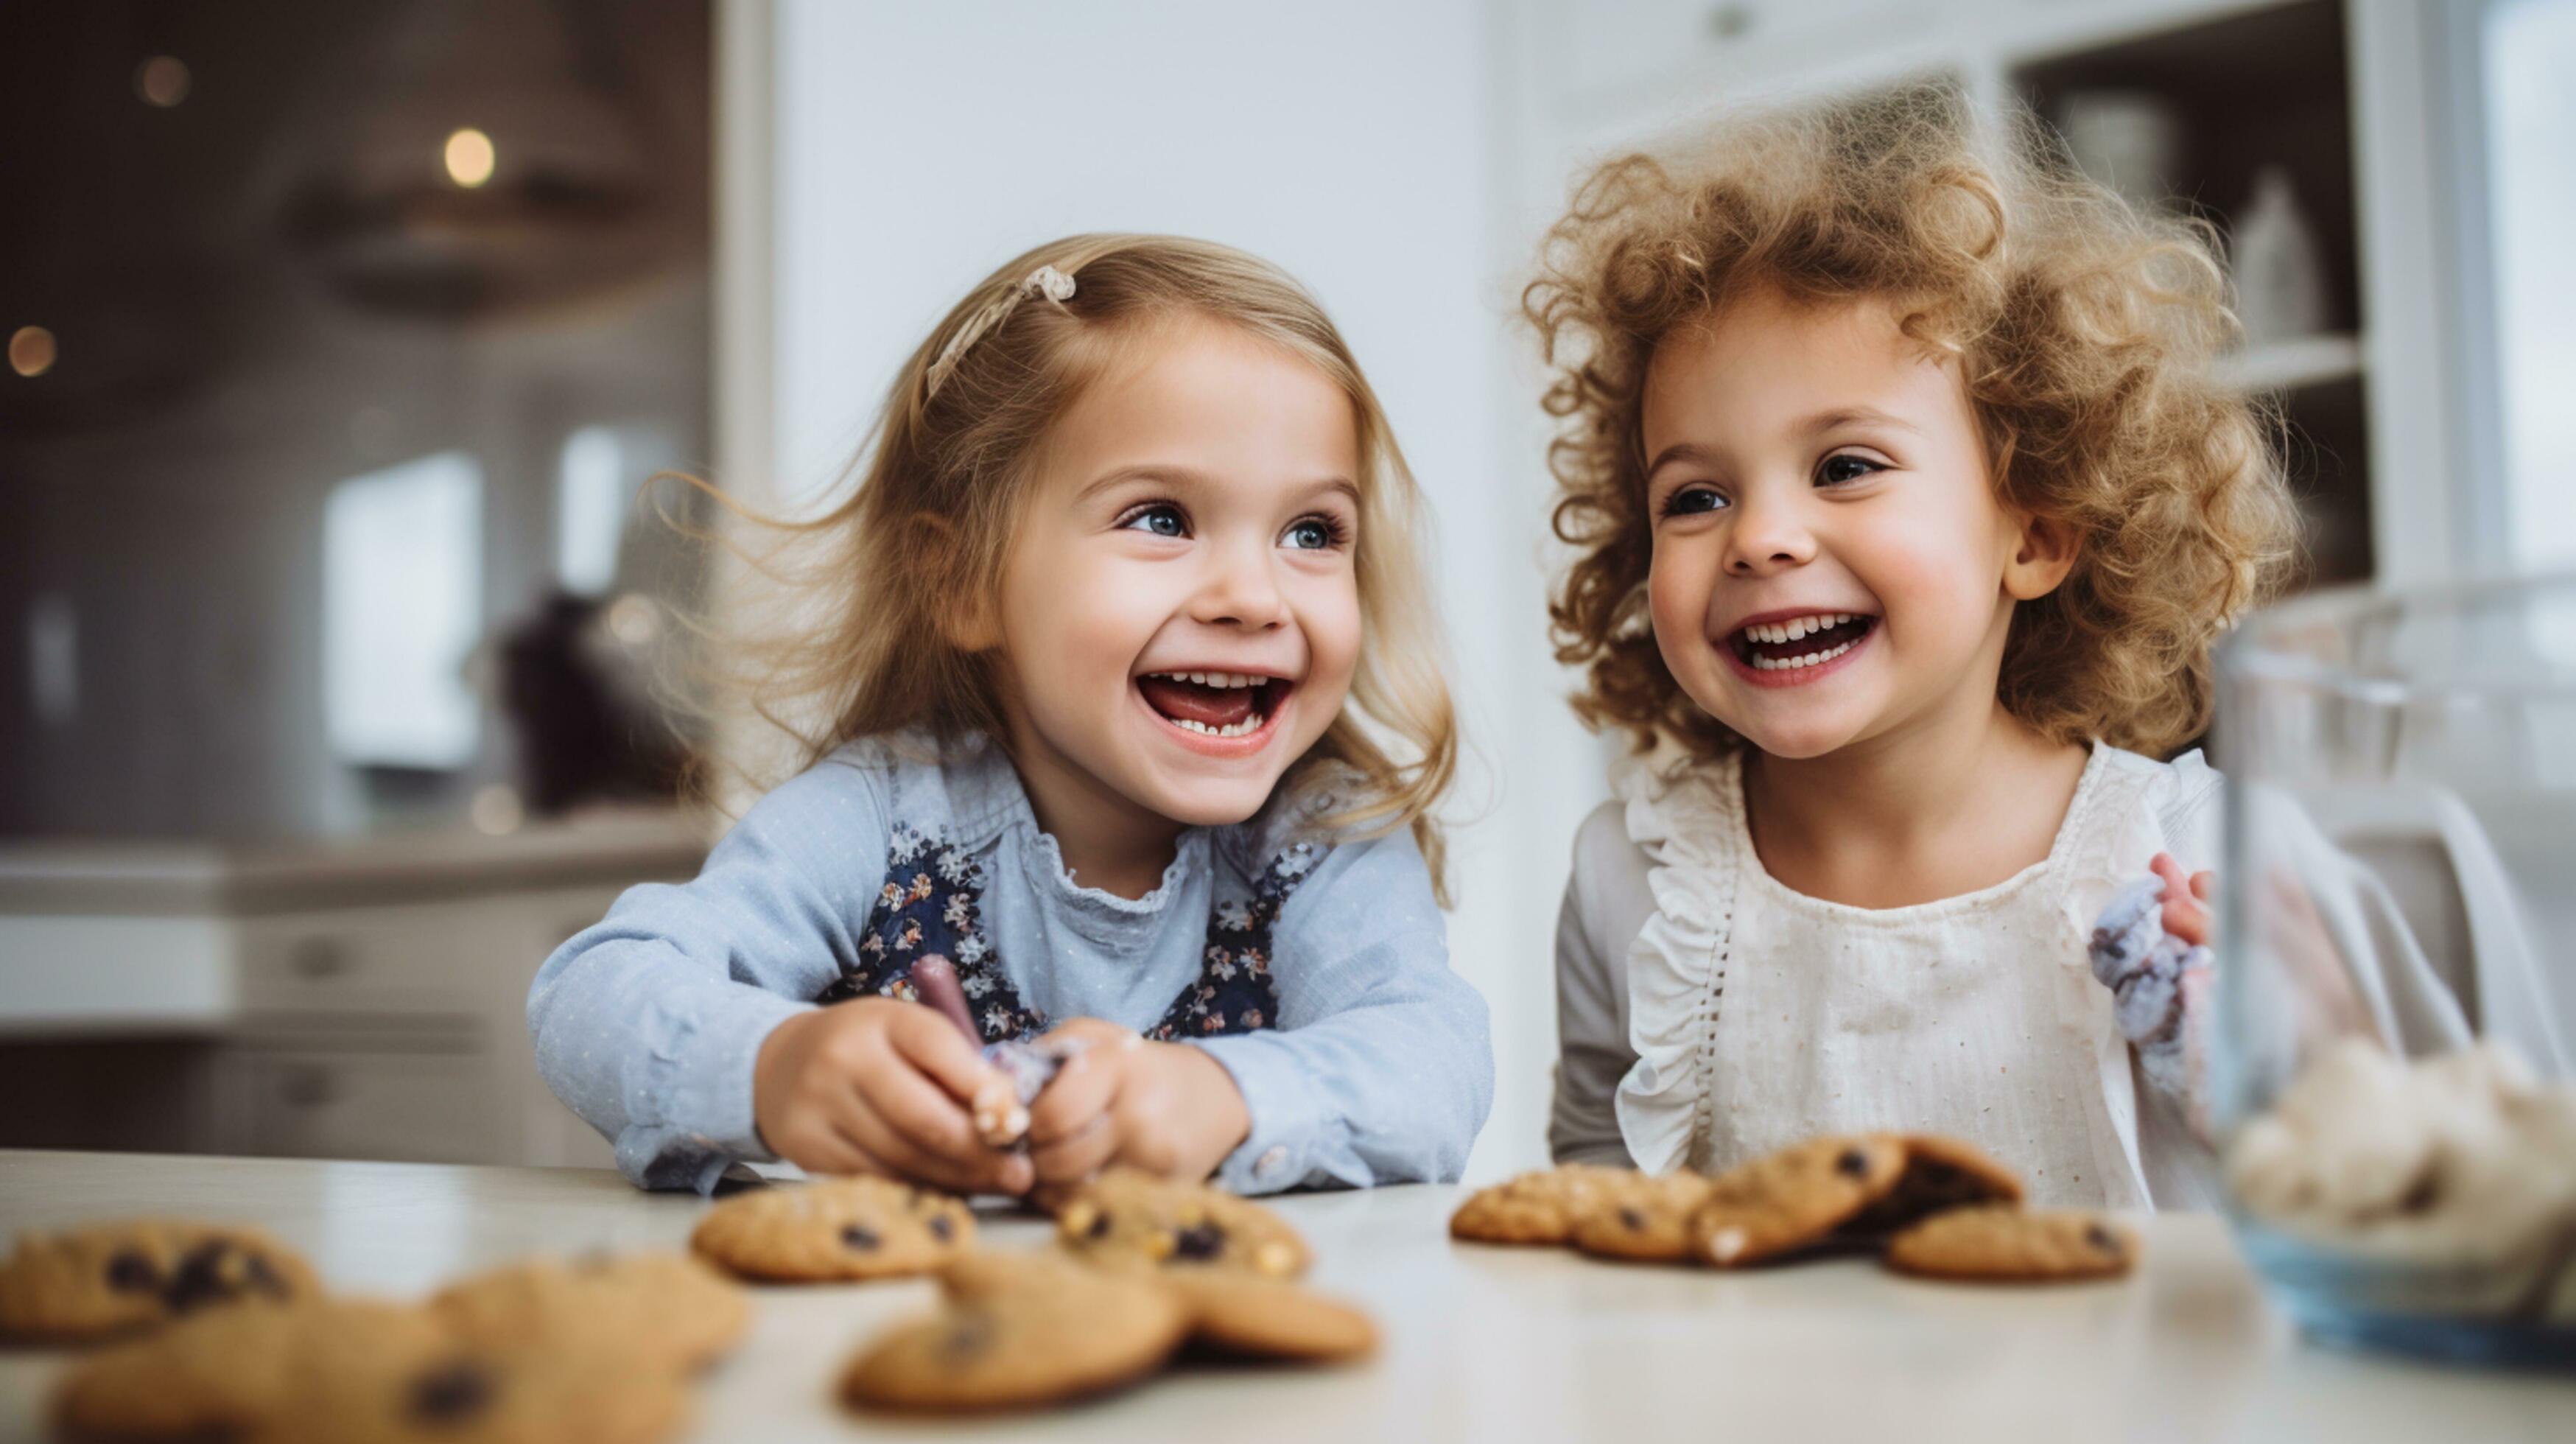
[[1214, 704], [1791, 649]]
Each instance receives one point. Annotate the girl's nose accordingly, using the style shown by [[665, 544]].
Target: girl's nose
[[1769, 535], [1240, 590]]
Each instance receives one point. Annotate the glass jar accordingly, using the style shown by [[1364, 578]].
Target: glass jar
[[2390, 1078]]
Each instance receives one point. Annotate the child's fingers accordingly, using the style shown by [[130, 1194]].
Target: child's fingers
[[2176, 883], [879, 1138], [1072, 1159], [1079, 1095], [2201, 883], [818, 1147], [915, 1107], [936, 1048]]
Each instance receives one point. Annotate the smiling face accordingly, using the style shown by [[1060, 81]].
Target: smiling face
[[1830, 560], [1179, 614]]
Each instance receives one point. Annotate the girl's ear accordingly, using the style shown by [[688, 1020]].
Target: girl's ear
[[2041, 560]]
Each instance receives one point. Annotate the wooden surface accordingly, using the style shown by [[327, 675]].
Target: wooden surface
[[1482, 1343]]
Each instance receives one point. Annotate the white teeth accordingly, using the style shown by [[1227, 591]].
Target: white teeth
[[1244, 728], [1797, 627], [1787, 664], [1213, 679]]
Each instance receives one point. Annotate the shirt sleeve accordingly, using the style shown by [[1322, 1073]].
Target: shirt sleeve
[[1382, 1068], [647, 1023], [1606, 887]]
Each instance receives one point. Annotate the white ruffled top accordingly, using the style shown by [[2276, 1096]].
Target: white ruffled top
[[1710, 1013]]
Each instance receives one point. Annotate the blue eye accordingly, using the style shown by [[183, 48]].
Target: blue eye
[[1694, 501], [1845, 467], [1161, 518], [1313, 534]]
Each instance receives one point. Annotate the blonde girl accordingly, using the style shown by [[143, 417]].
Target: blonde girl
[[1907, 503], [1131, 715]]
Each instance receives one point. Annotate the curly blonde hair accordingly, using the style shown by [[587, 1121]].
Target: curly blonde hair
[[855, 638], [2086, 335]]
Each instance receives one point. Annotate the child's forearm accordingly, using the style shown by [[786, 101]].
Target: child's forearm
[[655, 1051], [1390, 1087]]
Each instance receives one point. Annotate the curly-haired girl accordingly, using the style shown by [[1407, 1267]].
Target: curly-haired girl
[[1125, 707], [1907, 505]]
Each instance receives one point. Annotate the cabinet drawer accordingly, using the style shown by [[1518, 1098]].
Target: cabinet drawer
[[327, 1103], [377, 960]]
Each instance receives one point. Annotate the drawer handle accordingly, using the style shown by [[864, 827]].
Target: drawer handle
[[319, 958], [309, 1087]]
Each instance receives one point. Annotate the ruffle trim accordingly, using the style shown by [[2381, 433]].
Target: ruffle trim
[[1679, 811]]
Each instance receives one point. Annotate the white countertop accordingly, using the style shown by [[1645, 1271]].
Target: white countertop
[[1481, 1342]]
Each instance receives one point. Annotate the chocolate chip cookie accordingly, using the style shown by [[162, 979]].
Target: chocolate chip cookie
[[95, 1282], [1794, 1198], [1940, 1174], [1536, 1207], [842, 1228], [1644, 1218], [2006, 1245], [1127, 1218], [1241, 1313], [1020, 1330], [344, 1370], [664, 1307]]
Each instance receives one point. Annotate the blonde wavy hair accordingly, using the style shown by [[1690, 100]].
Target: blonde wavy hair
[[2085, 332], [858, 641]]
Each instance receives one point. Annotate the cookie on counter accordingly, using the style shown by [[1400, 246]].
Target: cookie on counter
[[1244, 1313], [665, 1307], [351, 1369], [835, 1229], [2006, 1245], [1940, 1174], [1537, 1207], [1644, 1218], [1017, 1331], [1794, 1198], [1129, 1218], [97, 1281]]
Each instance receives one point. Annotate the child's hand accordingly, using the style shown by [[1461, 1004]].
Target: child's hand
[[2186, 914], [1166, 1108], [873, 1086], [2151, 949]]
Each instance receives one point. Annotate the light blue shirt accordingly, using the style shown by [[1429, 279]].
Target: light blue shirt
[[1378, 1069]]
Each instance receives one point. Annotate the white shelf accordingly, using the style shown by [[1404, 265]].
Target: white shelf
[[2289, 365]]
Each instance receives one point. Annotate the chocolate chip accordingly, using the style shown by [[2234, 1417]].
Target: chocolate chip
[[2420, 1199], [1631, 1219], [941, 1229], [451, 1393], [130, 1272], [1200, 1241], [2101, 1238], [859, 1237], [1853, 1163], [1099, 1226], [260, 1276], [200, 1279], [969, 1334]]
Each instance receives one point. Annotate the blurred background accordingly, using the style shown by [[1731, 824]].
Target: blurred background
[[337, 625]]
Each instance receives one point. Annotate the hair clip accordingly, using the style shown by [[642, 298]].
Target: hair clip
[[1045, 281]]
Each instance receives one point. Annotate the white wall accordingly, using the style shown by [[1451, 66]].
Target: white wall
[[916, 147]]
